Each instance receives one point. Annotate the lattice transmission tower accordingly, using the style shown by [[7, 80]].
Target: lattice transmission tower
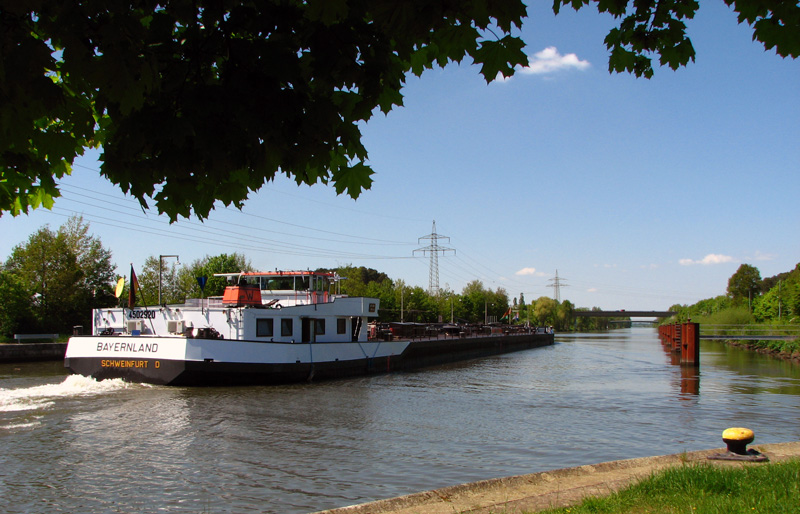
[[557, 284], [434, 249]]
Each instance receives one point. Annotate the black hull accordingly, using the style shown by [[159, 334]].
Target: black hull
[[419, 354], [424, 353]]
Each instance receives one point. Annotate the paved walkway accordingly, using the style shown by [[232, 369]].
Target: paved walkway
[[558, 488]]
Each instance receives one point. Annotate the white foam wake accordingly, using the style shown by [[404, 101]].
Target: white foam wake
[[44, 396]]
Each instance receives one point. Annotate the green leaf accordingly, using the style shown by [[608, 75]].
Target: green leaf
[[328, 12], [499, 57], [353, 179]]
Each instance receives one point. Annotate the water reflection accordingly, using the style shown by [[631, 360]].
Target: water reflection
[[294, 449], [689, 373], [690, 380], [759, 373]]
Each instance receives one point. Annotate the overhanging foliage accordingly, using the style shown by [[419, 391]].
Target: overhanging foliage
[[205, 101]]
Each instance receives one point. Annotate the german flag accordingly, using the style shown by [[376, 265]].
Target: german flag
[[132, 290]]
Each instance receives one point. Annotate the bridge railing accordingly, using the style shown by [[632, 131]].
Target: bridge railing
[[623, 314], [752, 331]]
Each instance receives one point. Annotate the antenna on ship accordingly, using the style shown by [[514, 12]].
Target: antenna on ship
[[434, 249]]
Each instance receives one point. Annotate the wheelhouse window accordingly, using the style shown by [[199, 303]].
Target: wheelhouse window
[[264, 327], [287, 327], [341, 326], [319, 326]]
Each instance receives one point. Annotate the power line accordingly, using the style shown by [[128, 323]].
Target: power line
[[364, 240], [216, 236], [124, 213], [207, 228]]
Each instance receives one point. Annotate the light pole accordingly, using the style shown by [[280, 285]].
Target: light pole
[[160, 265], [402, 291]]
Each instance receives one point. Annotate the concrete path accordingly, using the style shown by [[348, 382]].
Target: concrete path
[[558, 488]]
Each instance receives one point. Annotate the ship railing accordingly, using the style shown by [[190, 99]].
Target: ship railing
[[211, 301], [299, 297], [285, 299], [749, 331]]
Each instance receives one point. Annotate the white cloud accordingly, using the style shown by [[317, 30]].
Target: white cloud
[[550, 61], [591, 290], [526, 271], [763, 256], [712, 258]]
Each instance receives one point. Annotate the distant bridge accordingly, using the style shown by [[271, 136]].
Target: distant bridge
[[624, 314]]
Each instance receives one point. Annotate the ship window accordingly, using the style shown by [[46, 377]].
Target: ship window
[[280, 284], [341, 326], [287, 328], [319, 326], [264, 327]]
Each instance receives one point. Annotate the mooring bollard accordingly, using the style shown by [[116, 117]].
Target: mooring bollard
[[737, 439], [683, 340], [690, 344]]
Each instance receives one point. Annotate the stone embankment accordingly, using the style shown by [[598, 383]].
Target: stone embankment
[[29, 352], [754, 347], [548, 489]]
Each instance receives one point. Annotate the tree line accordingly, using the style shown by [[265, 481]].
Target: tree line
[[51, 282], [749, 299], [54, 280]]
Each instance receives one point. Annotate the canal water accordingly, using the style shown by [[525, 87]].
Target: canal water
[[70, 444]]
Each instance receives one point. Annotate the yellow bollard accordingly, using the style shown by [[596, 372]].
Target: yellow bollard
[[737, 439]]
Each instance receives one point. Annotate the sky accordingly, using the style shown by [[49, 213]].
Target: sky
[[639, 194]]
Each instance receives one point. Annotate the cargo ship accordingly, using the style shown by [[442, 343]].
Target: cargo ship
[[272, 328]]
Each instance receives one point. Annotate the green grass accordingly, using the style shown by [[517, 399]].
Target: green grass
[[705, 489]]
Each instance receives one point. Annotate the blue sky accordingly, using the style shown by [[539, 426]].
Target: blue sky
[[641, 193]]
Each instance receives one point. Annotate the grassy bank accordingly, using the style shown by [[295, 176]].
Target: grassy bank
[[696, 489]]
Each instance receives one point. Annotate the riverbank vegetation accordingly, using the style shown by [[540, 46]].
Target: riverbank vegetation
[[52, 281], [754, 306], [748, 299], [764, 488]]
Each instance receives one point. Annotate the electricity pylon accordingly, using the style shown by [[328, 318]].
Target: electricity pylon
[[434, 249], [557, 283]]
